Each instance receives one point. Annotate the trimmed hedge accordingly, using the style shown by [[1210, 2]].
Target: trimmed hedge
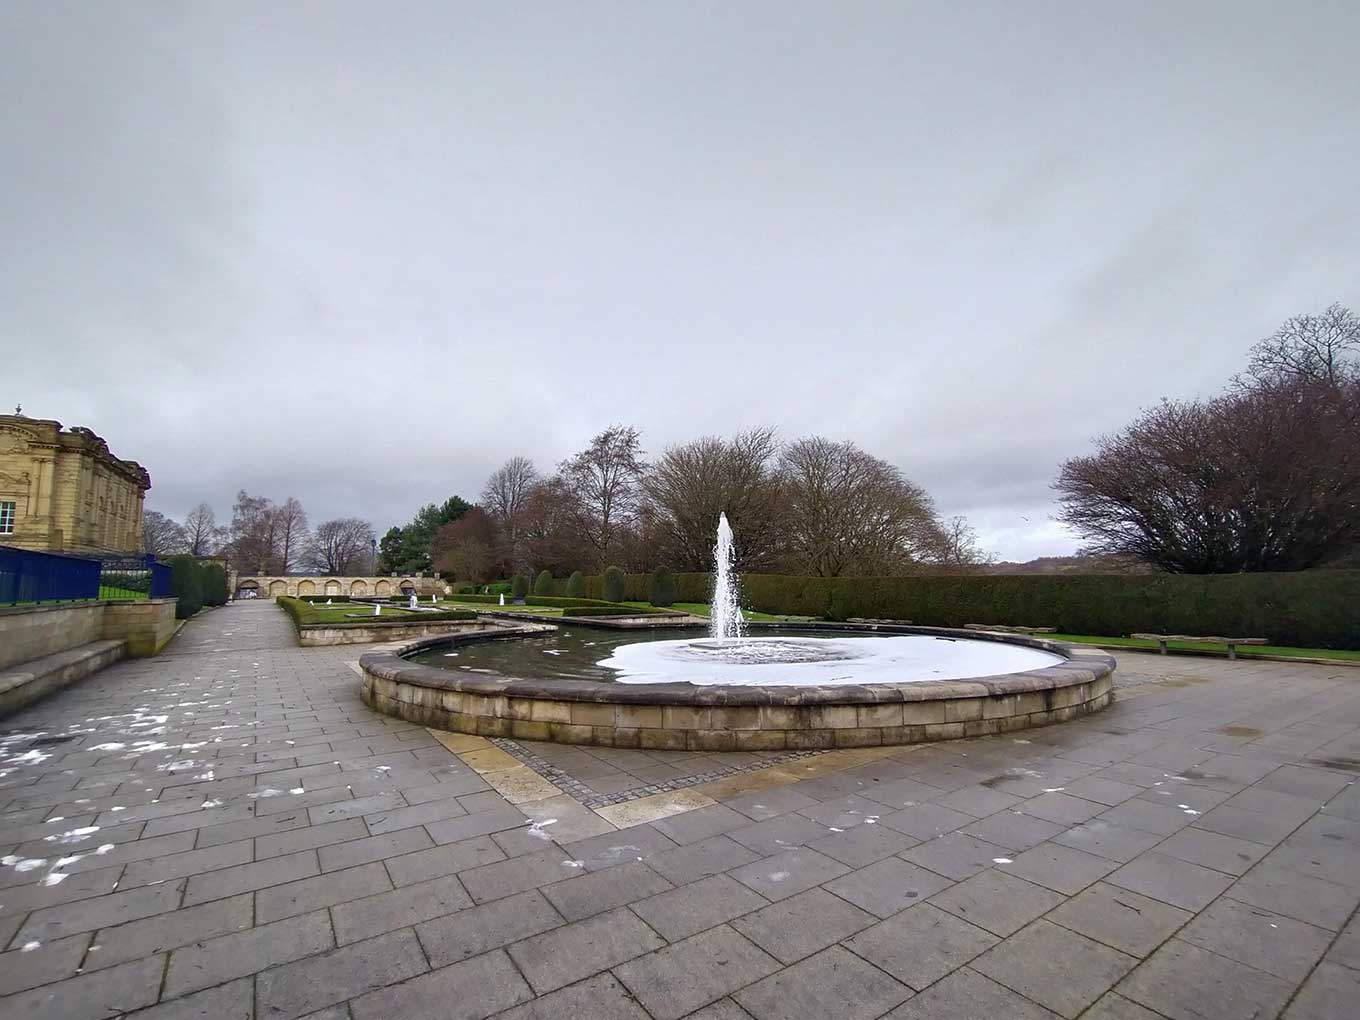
[[576, 585], [186, 584], [614, 584], [322, 599], [1305, 609], [543, 584], [214, 585], [661, 587], [520, 586]]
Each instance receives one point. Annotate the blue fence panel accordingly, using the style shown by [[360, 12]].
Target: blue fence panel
[[28, 576], [160, 579], [123, 577]]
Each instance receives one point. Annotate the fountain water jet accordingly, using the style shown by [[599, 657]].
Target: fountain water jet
[[725, 620]]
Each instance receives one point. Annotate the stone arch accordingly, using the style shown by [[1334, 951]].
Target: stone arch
[[332, 587], [382, 588], [306, 588], [277, 588], [358, 588], [408, 587], [248, 589]]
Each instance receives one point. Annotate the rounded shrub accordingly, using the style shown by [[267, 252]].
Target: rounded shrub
[[661, 587], [614, 581], [576, 585], [520, 586], [543, 584], [186, 584]]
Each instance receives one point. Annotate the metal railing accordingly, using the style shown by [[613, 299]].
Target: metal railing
[[29, 576], [133, 577]]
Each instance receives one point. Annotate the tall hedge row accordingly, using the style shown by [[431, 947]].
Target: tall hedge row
[[1308, 609], [186, 584]]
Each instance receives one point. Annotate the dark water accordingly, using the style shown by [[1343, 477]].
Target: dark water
[[570, 653]]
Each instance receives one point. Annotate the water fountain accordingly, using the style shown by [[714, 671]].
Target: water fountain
[[743, 686]]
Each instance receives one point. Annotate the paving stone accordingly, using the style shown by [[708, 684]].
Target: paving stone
[[926, 821], [699, 860], [597, 998], [1309, 783], [802, 925], [788, 873], [233, 1001], [1269, 942], [232, 831], [533, 871], [763, 804], [1055, 967], [723, 1009], [1184, 982], [99, 912], [170, 930], [1249, 825], [1116, 842], [52, 961], [244, 953], [888, 886], [845, 812], [246, 877], [900, 793], [1000, 903], [455, 830], [1014, 830], [1213, 850], [1102, 790], [449, 859], [863, 844], [696, 907], [477, 930], [565, 955], [682, 977], [702, 823], [612, 848], [1330, 993], [194, 862], [105, 993], [294, 989], [976, 800], [782, 833], [1129, 922], [355, 807], [590, 894], [956, 855], [1061, 807], [470, 990], [374, 848], [1173, 881], [358, 919], [1059, 868], [968, 995], [921, 944], [1113, 1006], [308, 838], [832, 983]]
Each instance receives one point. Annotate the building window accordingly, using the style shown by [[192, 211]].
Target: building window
[[7, 518]]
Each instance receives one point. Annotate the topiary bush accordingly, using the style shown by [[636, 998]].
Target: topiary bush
[[520, 586], [214, 585], [543, 584], [614, 583], [186, 584], [661, 588], [576, 585]]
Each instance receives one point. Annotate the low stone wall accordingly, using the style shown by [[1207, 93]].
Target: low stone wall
[[683, 717], [144, 626], [318, 634], [35, 632]]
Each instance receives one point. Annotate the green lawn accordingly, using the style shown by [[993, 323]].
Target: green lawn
[[701, 609]]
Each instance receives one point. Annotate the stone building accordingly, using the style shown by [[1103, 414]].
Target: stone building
[[61, 490]]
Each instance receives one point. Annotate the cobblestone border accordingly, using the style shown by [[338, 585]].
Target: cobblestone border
[[592, 798]]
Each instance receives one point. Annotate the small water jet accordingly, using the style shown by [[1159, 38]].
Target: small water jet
[[725, 620]]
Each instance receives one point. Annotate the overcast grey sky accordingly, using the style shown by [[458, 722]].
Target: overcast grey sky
[[361, 253]]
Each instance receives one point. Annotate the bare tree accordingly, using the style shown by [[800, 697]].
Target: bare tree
[[691, 484], [160, 535], [959, 549], [850, 513], [550, 532], [341, 546], [505, 498], [253, 532], [1265, 477], [202, 536], [1315, 347], [290, 530], [606, 480], [465, 547]]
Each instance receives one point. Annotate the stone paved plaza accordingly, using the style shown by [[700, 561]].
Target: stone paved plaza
[[240, 837]]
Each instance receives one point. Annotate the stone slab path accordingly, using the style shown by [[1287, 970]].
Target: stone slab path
[[225, 831]]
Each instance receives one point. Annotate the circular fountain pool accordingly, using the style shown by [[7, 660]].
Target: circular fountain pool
[[829, 686]]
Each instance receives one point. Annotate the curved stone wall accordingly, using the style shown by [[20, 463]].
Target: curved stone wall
[[684, 717]]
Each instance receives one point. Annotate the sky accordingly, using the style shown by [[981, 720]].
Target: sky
[[362, 253]]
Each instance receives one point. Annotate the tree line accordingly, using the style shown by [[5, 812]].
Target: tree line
[[1263, 477], [264, 536], [809, 506]]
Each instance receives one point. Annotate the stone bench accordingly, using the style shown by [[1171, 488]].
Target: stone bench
[[26, 682], [1010, 630], [1231, 642]]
